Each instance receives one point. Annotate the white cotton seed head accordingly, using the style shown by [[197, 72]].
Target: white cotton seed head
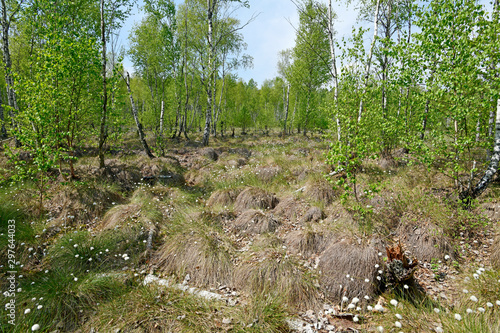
[[394, 302], [355, 300], [399, 316], [458, 317], [436, 310], [398, 324], [473, 298], [35, 327], [469, 311]]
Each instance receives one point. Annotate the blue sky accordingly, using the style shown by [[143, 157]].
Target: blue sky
[[268, 34]]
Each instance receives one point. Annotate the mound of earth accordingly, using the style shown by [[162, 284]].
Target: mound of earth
[[425, 241], [73, 205], [307, 242], [290, 208], [203, 259], [349, 269], [320, 190], [223, 197], [255, 198], [255, 222]]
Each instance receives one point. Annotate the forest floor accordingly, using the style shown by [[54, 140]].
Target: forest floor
[[246, 236]]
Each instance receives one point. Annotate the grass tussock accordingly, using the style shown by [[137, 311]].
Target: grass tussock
[[272, 271], [255, 198], [427, 242], [308, 241], [83, 251], [75, 203], [223, 198], [141, 211], [252, 222], [196, 245], [290, 208], [320, 190], [61, 300], [349, 269], [152, 308]]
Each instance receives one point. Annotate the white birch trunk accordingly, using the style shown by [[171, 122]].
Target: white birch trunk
[[493, 167], [137, 122], [286, 104], [210, 84], [162, 114]]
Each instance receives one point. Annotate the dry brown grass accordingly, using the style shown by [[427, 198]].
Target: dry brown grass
[[166, 170], [255, 198], [320, 190], [271, 271], [308, 242], [119, 214], [206, 257], [345, 265], [314, 214], [224, 197], [425, 241], [196, 245], [255, 222], [290, 208], [141, 211], [495, 252], [73, 205]]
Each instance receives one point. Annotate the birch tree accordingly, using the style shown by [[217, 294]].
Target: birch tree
[[10, 10], [112, 14], [216, 12]]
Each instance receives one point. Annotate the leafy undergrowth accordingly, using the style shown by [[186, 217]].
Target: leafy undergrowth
[[261, 227]]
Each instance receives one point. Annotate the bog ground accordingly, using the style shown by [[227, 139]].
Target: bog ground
[[248, 235]]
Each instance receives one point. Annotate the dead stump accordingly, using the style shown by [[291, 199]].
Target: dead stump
[[399, 269]]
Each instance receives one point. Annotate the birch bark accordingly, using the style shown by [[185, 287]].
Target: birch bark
[[137, 121]]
